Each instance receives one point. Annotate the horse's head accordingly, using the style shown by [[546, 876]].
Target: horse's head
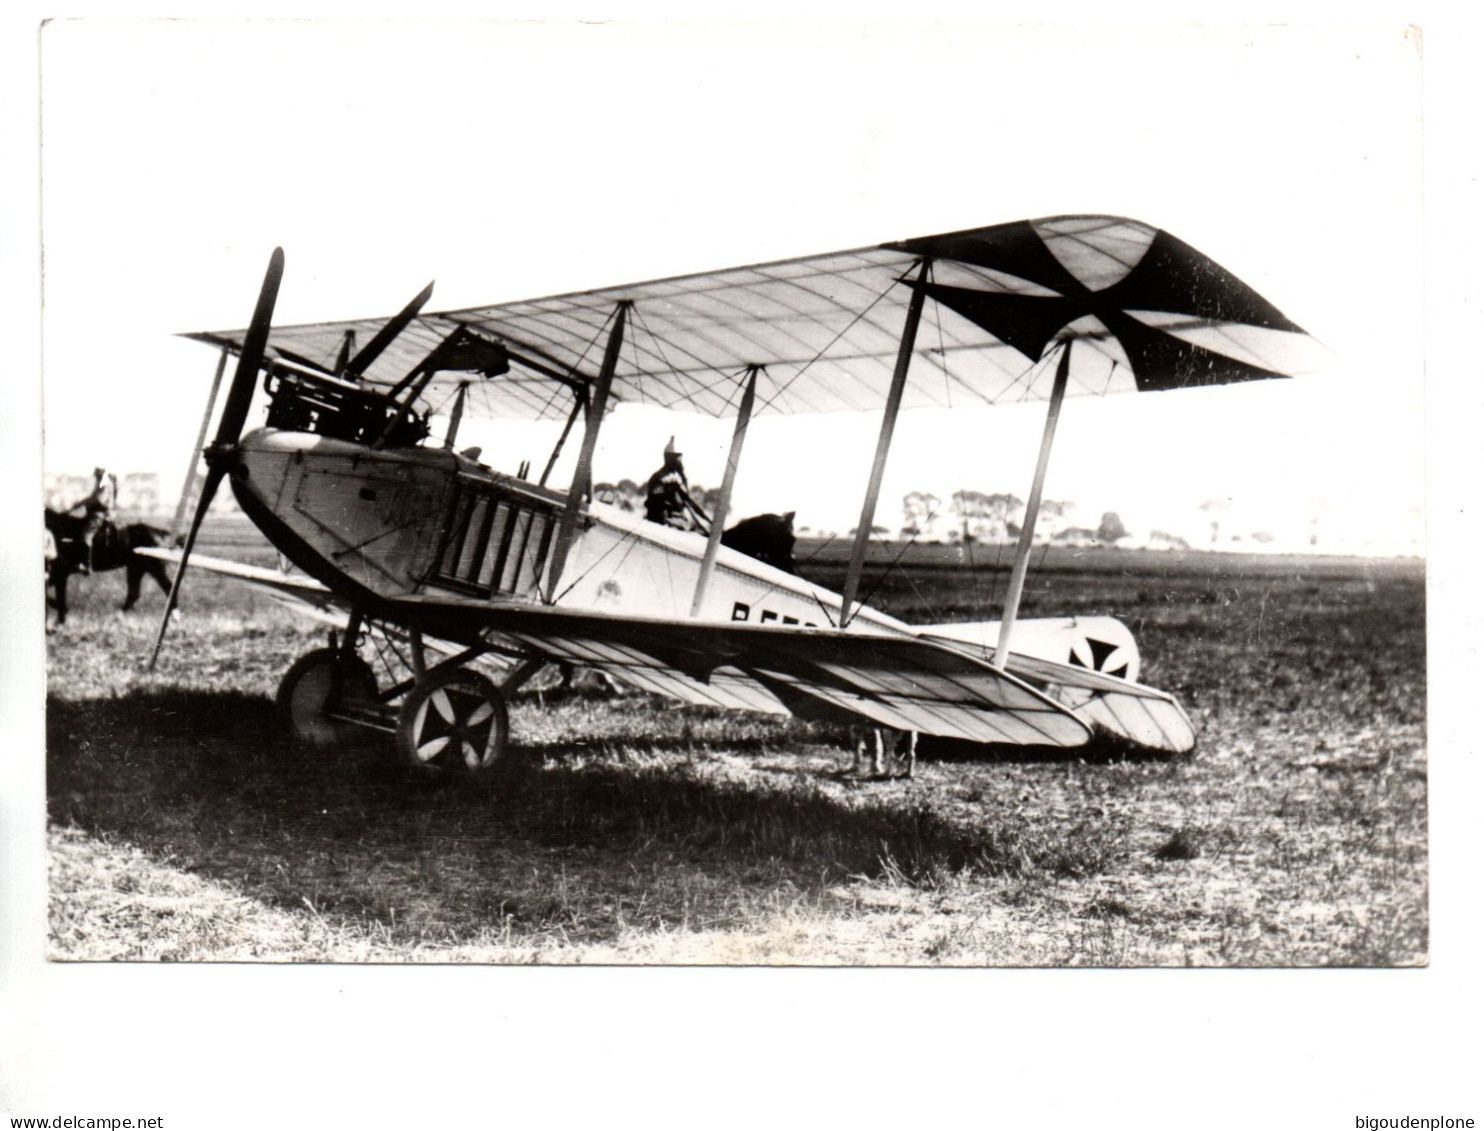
[[767, 537], [786, 532], [777, 531]]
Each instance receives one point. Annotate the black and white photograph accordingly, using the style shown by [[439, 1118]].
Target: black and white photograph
[[665, 494]]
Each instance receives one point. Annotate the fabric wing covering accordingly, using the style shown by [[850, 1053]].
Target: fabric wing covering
[[893, 681], [1146, 311], [1145, 715], [927, 684]]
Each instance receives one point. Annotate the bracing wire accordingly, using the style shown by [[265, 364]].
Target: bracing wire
[[598, 333], [891, 565], [722, 376], [784, 387], [629, 538], [942, 351]]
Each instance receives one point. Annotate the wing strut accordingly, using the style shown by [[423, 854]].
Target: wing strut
[[177, 524], [724, 496], [883, 445], [579, 403], [456, 419], [582, 477], [1032, 509]]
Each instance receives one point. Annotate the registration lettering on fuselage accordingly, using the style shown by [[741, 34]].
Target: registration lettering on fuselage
[[742, 611]]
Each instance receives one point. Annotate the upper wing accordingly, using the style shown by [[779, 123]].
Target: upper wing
[[1153, 313]]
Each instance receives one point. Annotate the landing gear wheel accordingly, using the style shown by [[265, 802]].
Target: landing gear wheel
[[316, 683], [453, 721]]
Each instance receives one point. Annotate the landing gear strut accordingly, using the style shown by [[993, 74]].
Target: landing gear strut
[[327, 692], [450, 719]]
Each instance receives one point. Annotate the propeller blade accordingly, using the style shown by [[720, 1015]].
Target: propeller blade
[[250, 360], [214, 476], [384, 337], [229, 429]]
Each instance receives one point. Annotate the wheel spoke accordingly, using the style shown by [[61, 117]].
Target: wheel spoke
[[430, 750], [456, 722]]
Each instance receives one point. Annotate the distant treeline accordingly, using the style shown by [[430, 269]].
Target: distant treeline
[[139, 493]]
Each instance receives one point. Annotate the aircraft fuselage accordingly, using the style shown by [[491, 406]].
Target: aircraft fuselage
[[401, 522]]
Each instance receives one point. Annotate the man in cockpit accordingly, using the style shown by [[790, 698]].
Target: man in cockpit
[[667, 497]]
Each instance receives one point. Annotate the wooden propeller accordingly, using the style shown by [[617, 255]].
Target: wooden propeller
[[223, 448]]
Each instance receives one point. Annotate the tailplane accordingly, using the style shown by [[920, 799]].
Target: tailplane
[[1090, 665]]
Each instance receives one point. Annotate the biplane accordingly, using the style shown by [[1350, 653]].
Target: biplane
[[396, 531]]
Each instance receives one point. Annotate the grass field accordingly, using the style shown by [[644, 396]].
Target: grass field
[[184, 828]]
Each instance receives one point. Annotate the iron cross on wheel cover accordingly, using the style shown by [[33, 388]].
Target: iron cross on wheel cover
[[455, 721]]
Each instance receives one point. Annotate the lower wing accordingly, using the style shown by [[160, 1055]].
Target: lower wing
[[297, 591], [902, 682]]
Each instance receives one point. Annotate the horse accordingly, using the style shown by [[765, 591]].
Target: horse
[[113, 548], [767, 537]]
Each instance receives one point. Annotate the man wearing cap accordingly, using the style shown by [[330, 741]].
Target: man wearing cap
[[98, 507], [667, 497]]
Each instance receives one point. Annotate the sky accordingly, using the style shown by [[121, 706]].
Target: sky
[[176, 154]]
